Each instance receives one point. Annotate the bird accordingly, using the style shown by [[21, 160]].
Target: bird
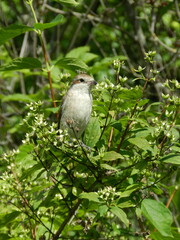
[[76, 107]]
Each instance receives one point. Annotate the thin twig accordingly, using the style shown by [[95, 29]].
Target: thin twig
[[105, 124], [173, 50], [46, 58], [71, 214], [131, 116], [171, 198]]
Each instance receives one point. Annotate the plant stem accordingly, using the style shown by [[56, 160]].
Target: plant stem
[[127, 128], [71, 214], [48, 69], [171, 198], [132, 114], [105, 125]]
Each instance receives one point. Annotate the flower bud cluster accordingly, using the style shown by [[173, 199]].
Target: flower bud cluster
[[109, 85], [117, 63], [10, 154], [172, 84], [40, 128], [162, 127], [107, 194], [175, 100], [149, 56]]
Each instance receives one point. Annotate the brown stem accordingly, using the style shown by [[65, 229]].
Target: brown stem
[[127, 128], [46, 58], [171, 198], [105, 125], [71, 214], [132, 114], [110, 138], [51, 88]]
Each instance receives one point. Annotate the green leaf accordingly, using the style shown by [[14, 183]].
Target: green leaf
[[92, 132], [57, 20], [130, 94], [78, 52], [120, 214], [108, 167], [91, 196], [117, 125], [24, 154], [158, 215], [129, 190], [72, 64], [82, 53], [126, 204], [31, 171], [111, 156], [157, 236], [68, 2], [17, 97], [87, 57], [141, 143], [22, 63], [12, 31], [7, 218], [101, 65], [142, 102], [52, 110], [102, 210], [171, 158]]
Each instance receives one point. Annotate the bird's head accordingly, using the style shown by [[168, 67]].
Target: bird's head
[[83, 81]]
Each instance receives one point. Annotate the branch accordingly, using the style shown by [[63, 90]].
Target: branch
[[46, 58], [71, 214], [132, 114]]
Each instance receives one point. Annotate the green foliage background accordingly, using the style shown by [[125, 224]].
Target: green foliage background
[[126, 185]]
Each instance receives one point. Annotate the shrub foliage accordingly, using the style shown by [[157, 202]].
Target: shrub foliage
[[120, 181]]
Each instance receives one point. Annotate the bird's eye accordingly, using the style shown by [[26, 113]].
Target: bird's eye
[[81, 80]]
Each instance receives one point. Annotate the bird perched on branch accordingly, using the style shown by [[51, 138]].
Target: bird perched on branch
[[76, 107]]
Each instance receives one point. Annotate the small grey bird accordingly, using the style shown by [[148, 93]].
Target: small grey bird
[[76, 107]]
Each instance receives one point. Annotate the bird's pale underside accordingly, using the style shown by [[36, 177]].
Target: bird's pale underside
[[76, 107]]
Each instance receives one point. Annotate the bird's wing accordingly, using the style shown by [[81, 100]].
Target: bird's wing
[[60, 112]]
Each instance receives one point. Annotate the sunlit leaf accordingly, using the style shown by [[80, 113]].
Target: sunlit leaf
[[17, 97], [120, 214], [100, 65], [141, 143], [24, 153], [102, 210], [77, 52], [68, 2], [108, 167], [92, 132], [82, 53], [91, 196], [73, 64], [158, 215], [130, 189], [171, 158], [111, 156]]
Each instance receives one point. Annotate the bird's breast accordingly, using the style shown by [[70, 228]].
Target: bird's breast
[[78, 105]]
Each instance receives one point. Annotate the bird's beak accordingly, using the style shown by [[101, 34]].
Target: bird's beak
[[94, 82]]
